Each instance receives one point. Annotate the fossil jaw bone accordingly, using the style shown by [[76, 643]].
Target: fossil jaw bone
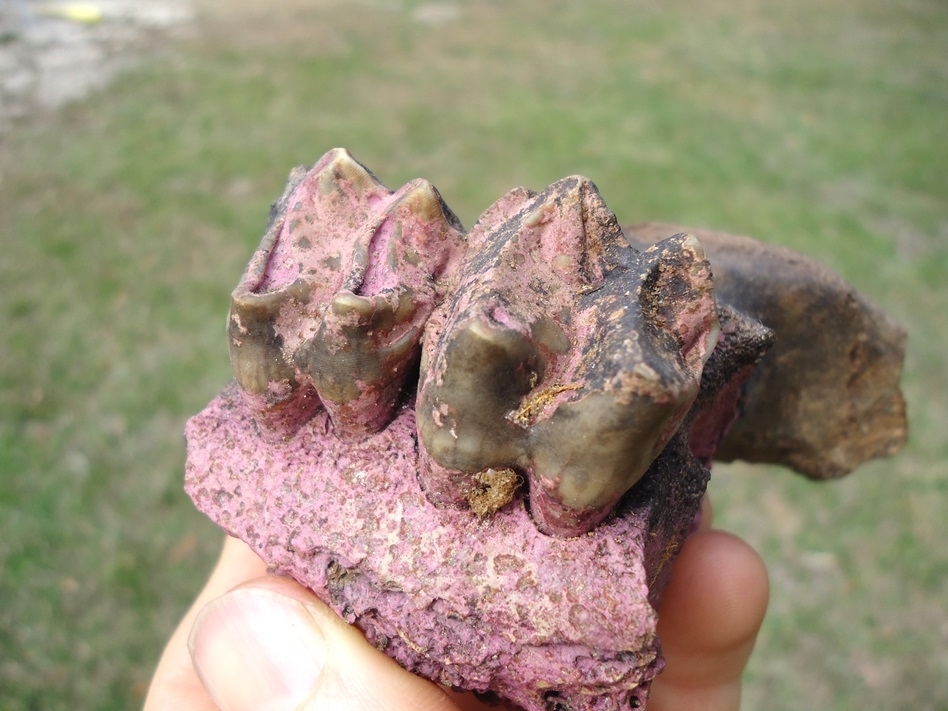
[[826, 397], [556, 350], [548, 347]]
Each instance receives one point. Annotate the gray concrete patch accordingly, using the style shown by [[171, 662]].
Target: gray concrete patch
[[52, 53]]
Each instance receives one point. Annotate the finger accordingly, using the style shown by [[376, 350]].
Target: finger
[[175, 685], [271, 644], [709, 618]]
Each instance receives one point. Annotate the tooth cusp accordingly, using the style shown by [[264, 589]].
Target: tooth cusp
[[678, 297]]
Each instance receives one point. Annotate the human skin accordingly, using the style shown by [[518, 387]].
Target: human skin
[[221, 656]]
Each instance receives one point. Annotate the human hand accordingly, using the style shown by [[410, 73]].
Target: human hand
[[269, 644]]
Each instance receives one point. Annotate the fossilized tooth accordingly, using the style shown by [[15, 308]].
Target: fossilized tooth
[[336, 296], [566, 355], [555, 354], [502, 327], [650, 331], [826, 398]]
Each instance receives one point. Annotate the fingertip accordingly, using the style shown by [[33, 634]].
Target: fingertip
[[718, 591], [254, 648], [709, 617]]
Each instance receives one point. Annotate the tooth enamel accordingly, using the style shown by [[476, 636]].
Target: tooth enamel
[[424, 201], [486, 369], [691, 244], [343, 168], [345, 303], [711, 341], [256, 352]]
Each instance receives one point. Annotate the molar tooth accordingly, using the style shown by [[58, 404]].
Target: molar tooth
[[615, 375], [371, 263]]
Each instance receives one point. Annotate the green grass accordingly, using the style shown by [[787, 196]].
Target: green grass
[[126, 220]]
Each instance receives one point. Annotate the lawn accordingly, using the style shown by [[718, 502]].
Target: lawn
[[126, 220]]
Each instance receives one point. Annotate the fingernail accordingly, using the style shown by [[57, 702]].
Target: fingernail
[[257, 649]]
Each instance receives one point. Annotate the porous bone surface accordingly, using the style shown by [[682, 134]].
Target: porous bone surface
[[489, 605]]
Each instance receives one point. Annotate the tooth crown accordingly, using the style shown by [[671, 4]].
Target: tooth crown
[[564, 354], [549, 349], [557, 352], [331, 308]]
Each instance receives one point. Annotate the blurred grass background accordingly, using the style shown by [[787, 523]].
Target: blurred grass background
[[125, 221]]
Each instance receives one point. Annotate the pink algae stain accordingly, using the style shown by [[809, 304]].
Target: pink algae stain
[[380, 276], [502, 316]]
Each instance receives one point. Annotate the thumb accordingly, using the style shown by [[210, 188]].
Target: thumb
[[709, 617], [271, 645]]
